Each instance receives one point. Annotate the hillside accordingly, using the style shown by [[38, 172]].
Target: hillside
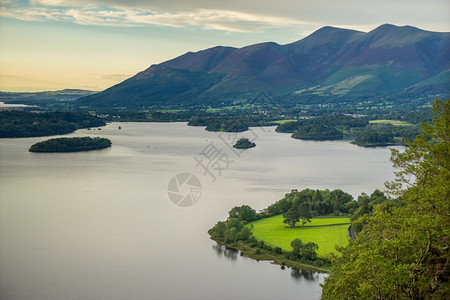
[[43, 98], [329, 65]]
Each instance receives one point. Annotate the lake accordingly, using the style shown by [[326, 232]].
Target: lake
[[6, 105], [119, 223]]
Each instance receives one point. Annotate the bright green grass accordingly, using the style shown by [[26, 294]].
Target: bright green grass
[[283, 121], [392, 122], [274, 233]]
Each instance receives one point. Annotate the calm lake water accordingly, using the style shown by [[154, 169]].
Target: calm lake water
[[100, 224]]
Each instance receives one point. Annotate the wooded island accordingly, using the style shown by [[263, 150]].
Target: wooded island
[[74, 144]]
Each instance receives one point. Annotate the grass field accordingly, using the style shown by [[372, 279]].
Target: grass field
[[284, 121], [392, 122], [320, 231]]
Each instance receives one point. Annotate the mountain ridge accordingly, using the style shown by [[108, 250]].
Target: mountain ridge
[[329, 63]]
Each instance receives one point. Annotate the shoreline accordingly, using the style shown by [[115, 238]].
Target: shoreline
[[277, 259]]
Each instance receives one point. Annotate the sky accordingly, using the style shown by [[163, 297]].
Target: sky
[[94, 44]]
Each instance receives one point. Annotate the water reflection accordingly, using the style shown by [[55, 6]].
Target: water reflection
[[299, 274], [296, 274], [218, 249], [225, 251]]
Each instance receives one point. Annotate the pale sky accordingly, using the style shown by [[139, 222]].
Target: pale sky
[[93, 44]]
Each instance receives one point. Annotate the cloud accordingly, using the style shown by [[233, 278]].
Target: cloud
[[316, 11], [235, 15], [213, 19], [112, 77], [205, 18]]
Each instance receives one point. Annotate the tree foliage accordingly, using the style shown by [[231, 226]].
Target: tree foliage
[[244, 143], [28, 124], [321, 202], [304, 251], [330, 121], [243, 213], [317, 133], [292, 216], [74, 144], [402, 251]]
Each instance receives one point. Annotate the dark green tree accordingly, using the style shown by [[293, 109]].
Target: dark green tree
[[296, 245], [245, 234], [292, 216], [308, 251], [403, 249], [304, 213], [243, 213], [304, 251], [317, 201]]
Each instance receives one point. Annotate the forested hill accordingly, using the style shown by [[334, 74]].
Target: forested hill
[[331, 64], [30, 124]]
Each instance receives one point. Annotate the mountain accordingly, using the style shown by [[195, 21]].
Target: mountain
[[328, 65], [43, 98]]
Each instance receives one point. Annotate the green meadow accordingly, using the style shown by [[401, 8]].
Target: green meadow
[[392, 122], [325, 232], [284, 121]]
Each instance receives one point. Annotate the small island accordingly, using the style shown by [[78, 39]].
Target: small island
[[317, 132], [244, 143], [372, 138], [74, 144]]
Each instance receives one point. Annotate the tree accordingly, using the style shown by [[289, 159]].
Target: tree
[[304, 251], [339, 199], [283, 205], [244, 143], [304, 213], [308, 251], [243, 213], [317, 200], [234, 223], [218, 230], [296, 245], [292, 216], [402, 251], [245, 234], [231, 235]]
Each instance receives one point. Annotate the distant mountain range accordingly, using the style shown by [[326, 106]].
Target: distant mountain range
[[330, 64], [43, 98]]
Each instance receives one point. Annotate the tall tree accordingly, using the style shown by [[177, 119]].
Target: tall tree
[[292, 216], [304, 213], [317, 200]]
